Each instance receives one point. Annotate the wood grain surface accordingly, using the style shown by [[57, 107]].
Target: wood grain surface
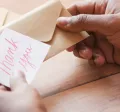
[[99, 96]]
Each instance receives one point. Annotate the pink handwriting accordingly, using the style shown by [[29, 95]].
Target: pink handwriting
[[25, 59], [7, 63]]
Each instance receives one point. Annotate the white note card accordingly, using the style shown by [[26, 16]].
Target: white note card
[[20, 52]]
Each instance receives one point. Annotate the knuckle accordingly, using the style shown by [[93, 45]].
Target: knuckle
[[82, 18]]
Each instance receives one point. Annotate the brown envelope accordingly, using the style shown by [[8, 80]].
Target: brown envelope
[[40, 24], [7, 16], [3, 14]]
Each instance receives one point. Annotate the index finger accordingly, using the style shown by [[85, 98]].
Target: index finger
[[82, 7]]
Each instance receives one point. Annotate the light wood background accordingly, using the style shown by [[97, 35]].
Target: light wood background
[[99, 96], [65, 71]]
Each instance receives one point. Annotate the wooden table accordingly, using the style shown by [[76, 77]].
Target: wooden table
[[90, 88]]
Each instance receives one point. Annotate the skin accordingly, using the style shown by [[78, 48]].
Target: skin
[[21, 98], [101, 19]]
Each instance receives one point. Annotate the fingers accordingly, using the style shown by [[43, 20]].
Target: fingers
[[98, 57], [3, 88], [116, 55], [105, 46], [18, 81], [87, 50], [84, 51], [90, 41], [70, 49], [114, 39], [82, 7], [96, 23]]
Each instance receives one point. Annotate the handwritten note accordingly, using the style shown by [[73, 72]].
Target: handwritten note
[[20, 52]]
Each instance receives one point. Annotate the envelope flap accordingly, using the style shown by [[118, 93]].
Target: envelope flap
[[39, 23], [3, 15], [63, 39], [10, 17]]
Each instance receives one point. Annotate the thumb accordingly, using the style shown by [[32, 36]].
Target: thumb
[[18, 81], [87, 22]]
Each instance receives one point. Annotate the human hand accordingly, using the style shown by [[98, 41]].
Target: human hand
[[21, 98], [101, 18]]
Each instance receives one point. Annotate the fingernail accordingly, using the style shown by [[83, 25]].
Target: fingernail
[[70, 49], [84, 53], [98, 60], [63, 21], [95, 56]]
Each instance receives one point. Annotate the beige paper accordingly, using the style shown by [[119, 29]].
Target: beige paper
[[7, 16], [40, 24], [10, 17], [3, 15]]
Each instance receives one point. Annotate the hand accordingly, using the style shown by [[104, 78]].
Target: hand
[[101, 18], [21, 98]]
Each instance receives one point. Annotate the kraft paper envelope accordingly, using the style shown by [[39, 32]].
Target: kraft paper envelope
[[3, 14], [40, 24], [7, 16]]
